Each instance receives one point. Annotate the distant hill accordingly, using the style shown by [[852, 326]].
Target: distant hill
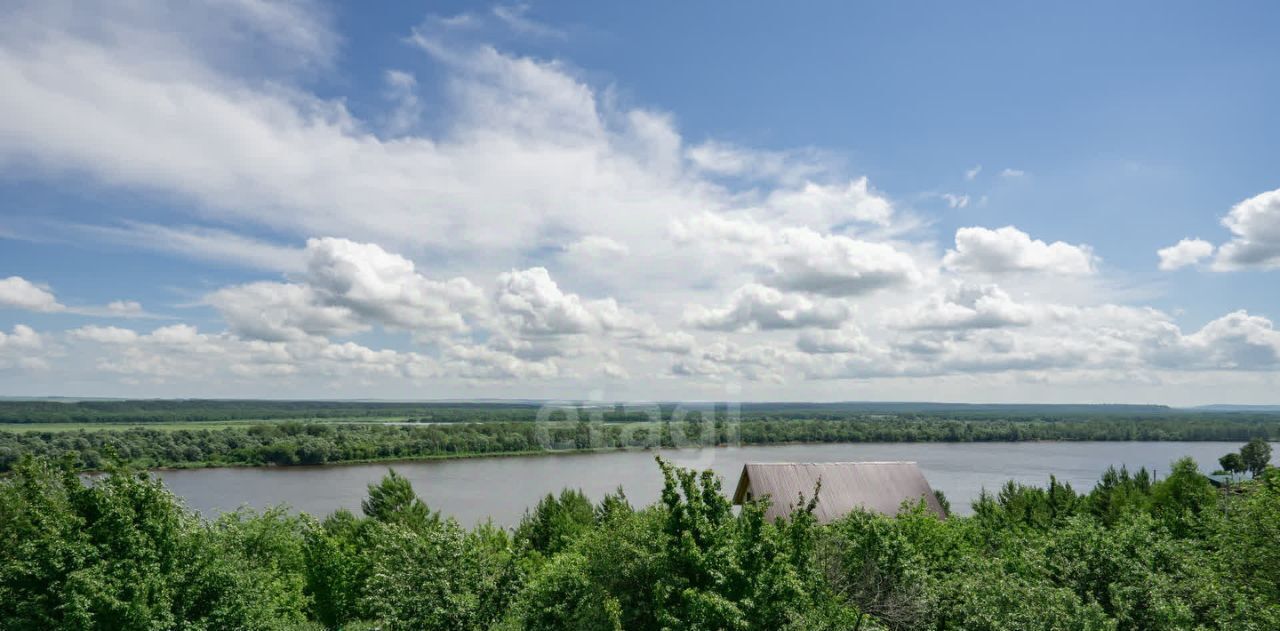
[[917, 407], [54, 399], [1227, 407]]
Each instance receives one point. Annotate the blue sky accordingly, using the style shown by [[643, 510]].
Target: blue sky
[[575, 200]]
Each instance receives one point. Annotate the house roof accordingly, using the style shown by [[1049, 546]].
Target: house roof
[[877, 486]]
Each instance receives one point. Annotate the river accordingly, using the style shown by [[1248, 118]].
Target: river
[[475, 489]]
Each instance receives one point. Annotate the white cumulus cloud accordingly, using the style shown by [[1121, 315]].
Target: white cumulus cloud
[[1008, 249], [966, 307], [1183, 253], [17, 292], [22, 348], [346, 287], [802, 259], [1255, 227], [757, 307], [535, 305]]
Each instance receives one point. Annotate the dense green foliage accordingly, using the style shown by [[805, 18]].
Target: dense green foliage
[[119, 552], [299, 443], [1255, 456]]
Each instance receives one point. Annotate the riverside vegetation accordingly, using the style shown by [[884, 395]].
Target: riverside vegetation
[[215, 410], [118, 551], [159, 433]]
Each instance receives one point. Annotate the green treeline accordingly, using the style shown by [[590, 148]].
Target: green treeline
[[189, 410], [298, 443], [1135, 553], [213, 410]]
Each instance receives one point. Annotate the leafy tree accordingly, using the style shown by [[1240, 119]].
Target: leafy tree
[[1183, 497], [261, 556], [336, 568], [1247, 538], [1256, 456], [1232, 463], [565, 596], [429, 579], [1119, 494], [988, 597], [119, 552], [612, 506], [1019, 505], [620, 562], [943, 501], [725, 572], [872, 565], [393, 500], [556, 522]]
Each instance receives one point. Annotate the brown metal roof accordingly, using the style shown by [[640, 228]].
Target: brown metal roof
[[877, 486]]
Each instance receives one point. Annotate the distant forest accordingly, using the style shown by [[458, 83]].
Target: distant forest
[[300, 443], [181, 410]]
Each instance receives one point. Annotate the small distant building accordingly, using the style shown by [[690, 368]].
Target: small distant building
[[1219, 479], [1224, 480], [876, 486]]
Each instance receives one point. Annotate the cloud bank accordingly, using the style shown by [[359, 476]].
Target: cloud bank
[[517, 229]]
